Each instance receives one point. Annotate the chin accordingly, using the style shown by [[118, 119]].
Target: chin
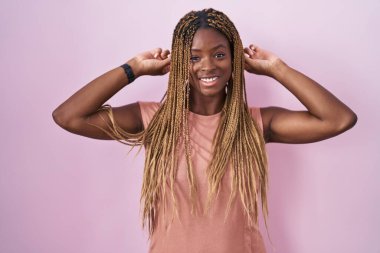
[[213, 93]]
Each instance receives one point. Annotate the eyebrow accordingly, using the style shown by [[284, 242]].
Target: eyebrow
[[217, 46]]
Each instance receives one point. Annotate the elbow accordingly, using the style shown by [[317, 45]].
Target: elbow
[[57, 117], [346, 122], [61, 119], [354, 120]]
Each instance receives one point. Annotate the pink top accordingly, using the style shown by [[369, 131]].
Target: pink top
[[202, 234]]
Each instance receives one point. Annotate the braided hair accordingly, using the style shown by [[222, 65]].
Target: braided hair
[[238, 141]]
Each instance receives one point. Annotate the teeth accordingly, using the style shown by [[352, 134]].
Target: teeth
[[209, 79]]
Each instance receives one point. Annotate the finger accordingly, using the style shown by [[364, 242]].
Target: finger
[[256, 50], [167, 69], [157, 52], [247, 60], [166, 61], [249, 52], [165, 65], [253, 47], [165, 54], [248, 64], [253, 63]]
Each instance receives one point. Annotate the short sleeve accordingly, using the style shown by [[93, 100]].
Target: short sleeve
[[148, 109], [256, 115]]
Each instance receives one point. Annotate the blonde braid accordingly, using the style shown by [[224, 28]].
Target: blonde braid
[[238, 141]]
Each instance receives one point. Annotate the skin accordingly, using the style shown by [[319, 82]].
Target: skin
[[325, 115], [210, 57]]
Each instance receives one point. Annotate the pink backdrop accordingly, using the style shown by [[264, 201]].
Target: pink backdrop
[[64, 193]]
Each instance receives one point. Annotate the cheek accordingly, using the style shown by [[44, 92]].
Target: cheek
[[192, 72], [228, 69], [194, 68]]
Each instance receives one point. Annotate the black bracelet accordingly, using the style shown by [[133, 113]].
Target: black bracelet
[[128, 71]]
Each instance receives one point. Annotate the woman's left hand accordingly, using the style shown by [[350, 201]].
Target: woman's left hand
[[259, 61], [326, 116]]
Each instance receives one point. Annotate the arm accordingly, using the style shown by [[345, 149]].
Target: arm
[[80, 112], [326, 115]]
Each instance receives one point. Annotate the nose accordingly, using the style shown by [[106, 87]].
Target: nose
[[207, 64]]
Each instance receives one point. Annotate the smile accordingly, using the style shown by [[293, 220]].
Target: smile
[[209, 79]]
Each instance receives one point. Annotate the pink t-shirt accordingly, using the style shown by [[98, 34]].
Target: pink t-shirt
[[200, 233]]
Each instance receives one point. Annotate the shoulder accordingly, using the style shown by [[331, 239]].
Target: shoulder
[[269, 114], [256, 115], [149, 105], [148, 109]]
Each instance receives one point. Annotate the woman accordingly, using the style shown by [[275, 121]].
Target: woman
[[206, 166]]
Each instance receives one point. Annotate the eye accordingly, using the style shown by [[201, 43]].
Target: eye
[[220, 55], [194, 58]]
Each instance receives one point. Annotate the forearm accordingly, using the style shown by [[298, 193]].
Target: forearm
[[319, 102], [92, 96]]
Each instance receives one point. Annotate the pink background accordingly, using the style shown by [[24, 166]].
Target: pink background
[[63, 193]]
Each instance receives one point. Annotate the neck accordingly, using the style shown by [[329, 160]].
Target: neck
[[206, 105]]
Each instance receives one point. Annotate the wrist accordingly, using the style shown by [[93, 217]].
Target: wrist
[[133, 63], [278, 69]]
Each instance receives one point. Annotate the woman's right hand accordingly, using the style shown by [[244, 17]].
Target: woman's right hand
[[80, 113], [153, 62]]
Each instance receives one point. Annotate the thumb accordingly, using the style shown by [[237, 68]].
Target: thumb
[[164, 62], [255, 63], [164, 65]]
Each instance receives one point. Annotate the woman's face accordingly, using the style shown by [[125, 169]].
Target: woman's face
[[211, 63]]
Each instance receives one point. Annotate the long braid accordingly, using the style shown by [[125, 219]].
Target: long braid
[[238, 141]]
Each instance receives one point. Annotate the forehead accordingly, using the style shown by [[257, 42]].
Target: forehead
[[207, 39]]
